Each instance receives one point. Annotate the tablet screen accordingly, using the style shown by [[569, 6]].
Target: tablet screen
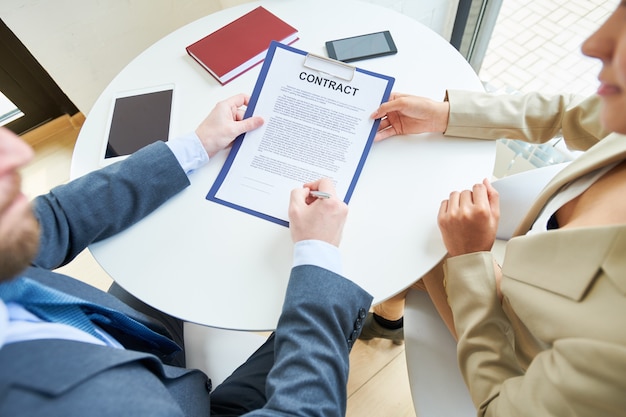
[[139, 120]]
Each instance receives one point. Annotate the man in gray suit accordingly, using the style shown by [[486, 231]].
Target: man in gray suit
[[91, 364]]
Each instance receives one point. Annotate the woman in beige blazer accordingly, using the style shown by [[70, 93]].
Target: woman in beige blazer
[[545, 334]]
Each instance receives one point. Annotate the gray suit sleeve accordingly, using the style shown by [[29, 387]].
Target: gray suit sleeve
[[321, 319], [104, 202]]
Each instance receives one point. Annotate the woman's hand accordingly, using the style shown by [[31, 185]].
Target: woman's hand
[[468, 220], [406, 114]]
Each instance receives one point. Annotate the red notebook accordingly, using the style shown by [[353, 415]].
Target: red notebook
[[235, 48]]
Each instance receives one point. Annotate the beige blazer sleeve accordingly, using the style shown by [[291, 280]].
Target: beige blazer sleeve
[[533, 117]]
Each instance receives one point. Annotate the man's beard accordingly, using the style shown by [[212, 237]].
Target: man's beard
[[19, 247]]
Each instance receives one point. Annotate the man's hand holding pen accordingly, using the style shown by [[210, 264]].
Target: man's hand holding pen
[[316, 213]]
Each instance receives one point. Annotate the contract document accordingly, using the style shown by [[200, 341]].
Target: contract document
[[317, 125]]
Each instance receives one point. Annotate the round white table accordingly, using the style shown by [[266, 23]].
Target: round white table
[[213, 265]]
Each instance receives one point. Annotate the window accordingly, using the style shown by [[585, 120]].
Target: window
[[30, 97]]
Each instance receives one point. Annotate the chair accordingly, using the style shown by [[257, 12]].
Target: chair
[[436, 383], [218, 352], [435, 379]]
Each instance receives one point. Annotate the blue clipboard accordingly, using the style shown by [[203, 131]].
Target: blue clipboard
[[310, 61]]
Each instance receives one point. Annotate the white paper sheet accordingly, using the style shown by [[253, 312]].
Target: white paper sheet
[[316, 125], [518, 192]]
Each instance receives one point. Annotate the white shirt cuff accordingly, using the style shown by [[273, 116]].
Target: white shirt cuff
[[189, 152], [317, 253]]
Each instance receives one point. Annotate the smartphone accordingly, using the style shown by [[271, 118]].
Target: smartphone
[[137, 118], [360, 47]]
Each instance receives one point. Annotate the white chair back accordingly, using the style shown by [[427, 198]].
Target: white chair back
[[218, 352], [436, 383]]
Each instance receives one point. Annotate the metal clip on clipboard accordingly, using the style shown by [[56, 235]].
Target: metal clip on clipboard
[[329, 66]]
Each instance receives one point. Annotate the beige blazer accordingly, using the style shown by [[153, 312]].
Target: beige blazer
[[556, 345]]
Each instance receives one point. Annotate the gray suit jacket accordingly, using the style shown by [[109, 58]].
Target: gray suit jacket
[[556, 345], [321, 318]]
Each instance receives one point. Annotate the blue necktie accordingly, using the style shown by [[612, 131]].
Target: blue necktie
[[55, 306]]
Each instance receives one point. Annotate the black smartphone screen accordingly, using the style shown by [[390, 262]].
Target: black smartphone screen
[[361, 47], [139, 120]]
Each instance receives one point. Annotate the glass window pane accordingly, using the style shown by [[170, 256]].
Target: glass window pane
[[8, 110]]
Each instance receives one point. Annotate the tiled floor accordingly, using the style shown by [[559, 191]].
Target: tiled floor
[[536, 46]]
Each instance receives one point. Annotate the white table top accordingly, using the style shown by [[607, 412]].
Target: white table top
[[213, 265]]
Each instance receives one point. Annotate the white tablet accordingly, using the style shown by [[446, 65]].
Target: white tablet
[[137, 118]]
